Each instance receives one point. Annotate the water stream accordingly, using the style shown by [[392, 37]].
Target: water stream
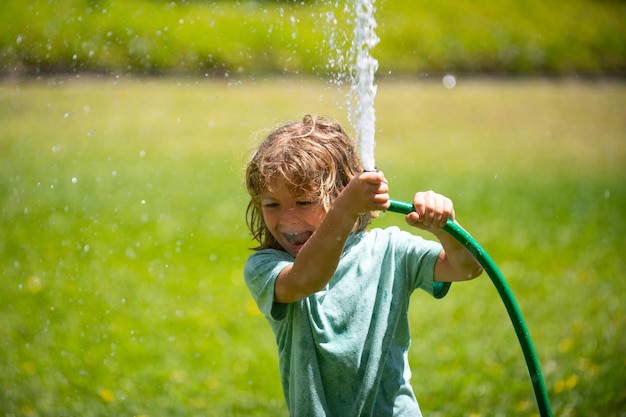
[[363, 90]]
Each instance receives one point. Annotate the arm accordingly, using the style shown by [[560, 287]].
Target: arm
[[317, 261], [455, 262]]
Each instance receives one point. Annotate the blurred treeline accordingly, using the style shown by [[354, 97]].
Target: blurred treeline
[[560, 37]]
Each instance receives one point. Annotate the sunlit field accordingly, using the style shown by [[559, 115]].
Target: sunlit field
[[123, 240]]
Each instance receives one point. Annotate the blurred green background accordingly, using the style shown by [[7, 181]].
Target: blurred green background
[[125, 130], [289, 37]]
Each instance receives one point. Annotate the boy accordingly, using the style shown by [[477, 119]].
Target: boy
[[335, 294]]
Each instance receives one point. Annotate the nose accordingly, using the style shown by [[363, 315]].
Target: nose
[[289, 216]]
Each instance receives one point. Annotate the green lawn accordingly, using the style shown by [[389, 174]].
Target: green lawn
[[254, 37], [122, 242]]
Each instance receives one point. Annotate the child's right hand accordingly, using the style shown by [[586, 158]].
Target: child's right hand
[[368, 191]]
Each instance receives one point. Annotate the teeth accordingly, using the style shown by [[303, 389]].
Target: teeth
[[291, 237], [297, 238]]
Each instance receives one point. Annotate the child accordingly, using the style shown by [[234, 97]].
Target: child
[[336, 295]]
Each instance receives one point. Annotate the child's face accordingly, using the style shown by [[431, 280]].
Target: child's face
[[290, 220]]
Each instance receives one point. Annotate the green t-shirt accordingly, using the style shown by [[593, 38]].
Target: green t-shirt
[[343, 350]]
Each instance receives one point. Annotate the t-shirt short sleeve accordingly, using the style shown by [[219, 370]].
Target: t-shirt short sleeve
[[416, 258], [260, 273]]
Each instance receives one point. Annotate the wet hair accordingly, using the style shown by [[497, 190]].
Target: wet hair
[[314, 158]]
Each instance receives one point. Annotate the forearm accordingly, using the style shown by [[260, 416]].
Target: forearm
[[317, 261], [456, 263]]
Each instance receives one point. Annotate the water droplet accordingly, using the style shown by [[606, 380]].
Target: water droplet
[[449, 81]]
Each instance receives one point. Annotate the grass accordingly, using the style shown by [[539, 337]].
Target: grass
[[122, 242], [286, 37]]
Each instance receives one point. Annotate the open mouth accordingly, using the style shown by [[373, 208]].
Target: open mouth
[[297, 239]]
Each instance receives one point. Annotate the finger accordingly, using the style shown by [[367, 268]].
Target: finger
[[383, 188], [448, 212], [413, 219], [419, 203], [439, 211], [430, 208], [381, 202], [373, 177]]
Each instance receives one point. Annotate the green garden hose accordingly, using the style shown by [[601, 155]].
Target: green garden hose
[[456, 231]]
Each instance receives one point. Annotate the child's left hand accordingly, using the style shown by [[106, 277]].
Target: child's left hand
[[432, 211]]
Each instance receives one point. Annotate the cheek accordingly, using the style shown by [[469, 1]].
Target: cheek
[[268, 219], [318, 216]]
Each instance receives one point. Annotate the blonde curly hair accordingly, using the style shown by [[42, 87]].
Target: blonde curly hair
[[315, 159]]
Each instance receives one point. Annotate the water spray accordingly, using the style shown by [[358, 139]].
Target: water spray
[[363, 88]]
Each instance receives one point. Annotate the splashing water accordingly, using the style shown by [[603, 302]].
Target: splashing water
[[363, 90]]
